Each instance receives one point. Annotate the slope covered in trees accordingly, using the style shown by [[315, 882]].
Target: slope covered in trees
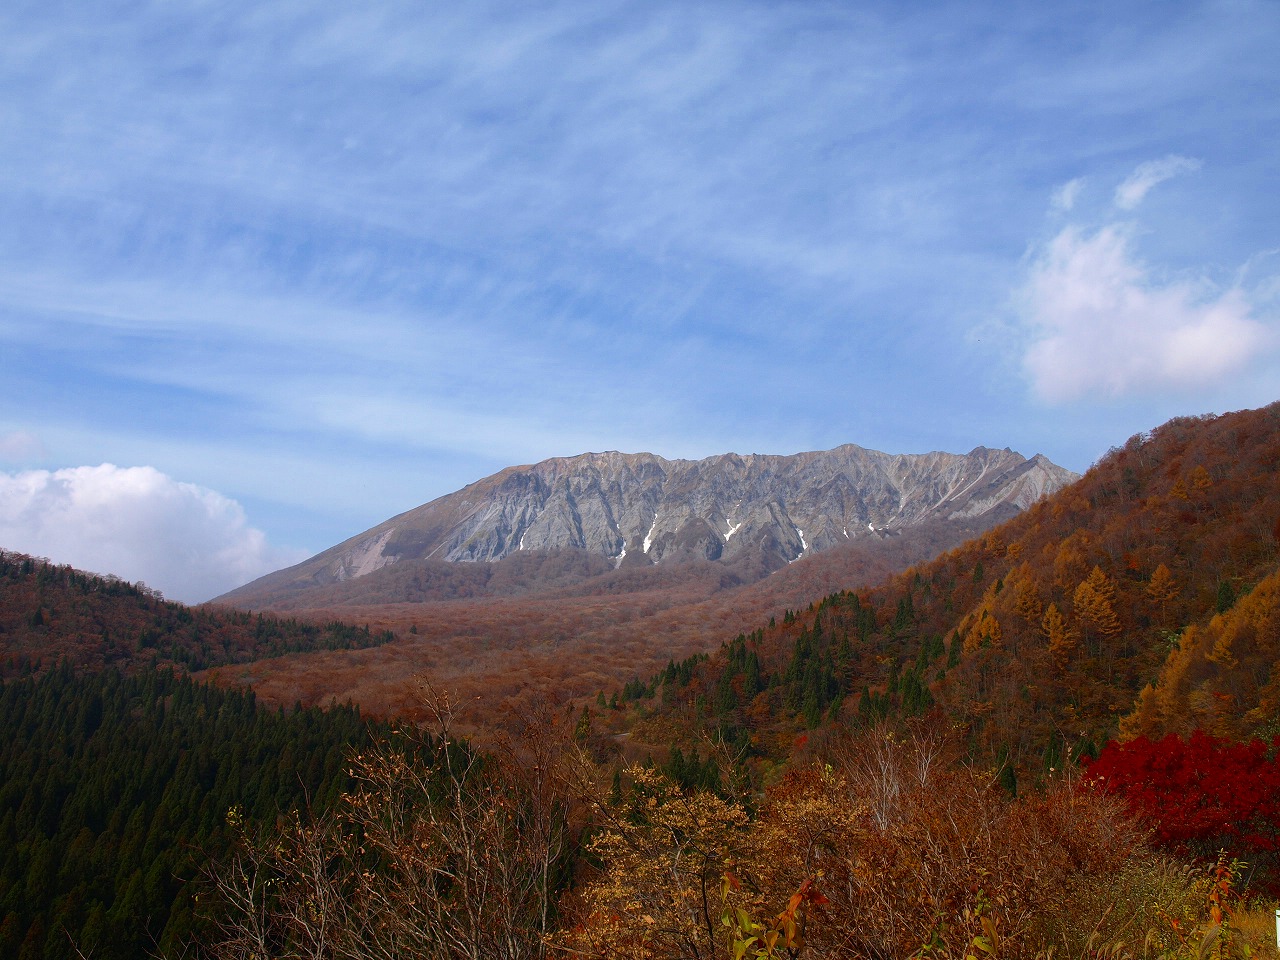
[[1222, 676], [115, 791], [1156, 571], [118, 772], [886, 836], [51, 613], [505, 652]]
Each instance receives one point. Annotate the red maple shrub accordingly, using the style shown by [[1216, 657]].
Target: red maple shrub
[[1201, 796]]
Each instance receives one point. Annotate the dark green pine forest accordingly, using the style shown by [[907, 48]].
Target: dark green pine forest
[[115, 791]]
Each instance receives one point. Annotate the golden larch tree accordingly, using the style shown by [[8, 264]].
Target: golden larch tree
[[1162, 587], [1063, 641], [1094, 603]]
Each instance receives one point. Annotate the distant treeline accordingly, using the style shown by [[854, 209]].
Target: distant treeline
[[51, 612]]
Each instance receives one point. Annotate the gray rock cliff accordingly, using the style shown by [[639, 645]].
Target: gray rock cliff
[[643, 509]]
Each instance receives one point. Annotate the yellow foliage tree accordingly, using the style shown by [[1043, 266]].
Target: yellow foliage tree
[[667, 852], [984, 630], [1162, 588], [1094, 603], [1026, 599], [1200, 479], [1069, 561], [1063, 641]]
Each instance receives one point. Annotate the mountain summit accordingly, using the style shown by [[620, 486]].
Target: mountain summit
[[641, 509]]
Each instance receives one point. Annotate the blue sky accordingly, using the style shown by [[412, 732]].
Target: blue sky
[[273, 272]]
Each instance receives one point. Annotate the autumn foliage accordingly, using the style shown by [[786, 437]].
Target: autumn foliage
[[1220, 676], [895, 848], [1142, 600], [438, 851], [1201, 795], [52, 612], [889, 846], [883, 772]]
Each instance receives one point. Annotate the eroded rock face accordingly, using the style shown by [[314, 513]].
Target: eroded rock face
[[641, 508]]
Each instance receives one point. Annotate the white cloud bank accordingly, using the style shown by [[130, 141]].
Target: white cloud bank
[[1100, 323], [189, 542], [1105, 326]]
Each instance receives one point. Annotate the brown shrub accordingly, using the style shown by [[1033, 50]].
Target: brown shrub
[[912, 852]]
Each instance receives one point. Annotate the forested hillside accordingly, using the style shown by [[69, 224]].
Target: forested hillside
[[51, 613], [504, 653], [118, 772], [889, 771], [1154, 575], [115, 792], [1222, 677]]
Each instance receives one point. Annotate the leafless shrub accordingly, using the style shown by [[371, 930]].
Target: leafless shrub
[[438, 852]]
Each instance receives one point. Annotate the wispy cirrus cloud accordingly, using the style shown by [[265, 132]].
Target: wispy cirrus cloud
[[1138, 184], [397, 244]]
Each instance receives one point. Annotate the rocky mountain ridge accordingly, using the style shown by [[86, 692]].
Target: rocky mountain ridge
[[642, 509]]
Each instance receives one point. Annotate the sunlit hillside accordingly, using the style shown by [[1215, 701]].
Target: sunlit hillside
[[1152, 577]]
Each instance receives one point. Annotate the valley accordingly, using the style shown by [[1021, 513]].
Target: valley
[[499, 654], [550, 588], [962, 663]]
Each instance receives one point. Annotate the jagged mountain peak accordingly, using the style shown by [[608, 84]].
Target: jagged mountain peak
[[641, 508]]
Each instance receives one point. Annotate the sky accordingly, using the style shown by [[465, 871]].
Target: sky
[[273, 272]]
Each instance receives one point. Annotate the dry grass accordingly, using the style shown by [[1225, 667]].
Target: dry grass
[[1256, 928]]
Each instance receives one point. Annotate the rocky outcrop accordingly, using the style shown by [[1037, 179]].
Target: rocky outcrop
[[643, 509]]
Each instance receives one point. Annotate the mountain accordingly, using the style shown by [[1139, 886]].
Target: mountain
[[612, 510]]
